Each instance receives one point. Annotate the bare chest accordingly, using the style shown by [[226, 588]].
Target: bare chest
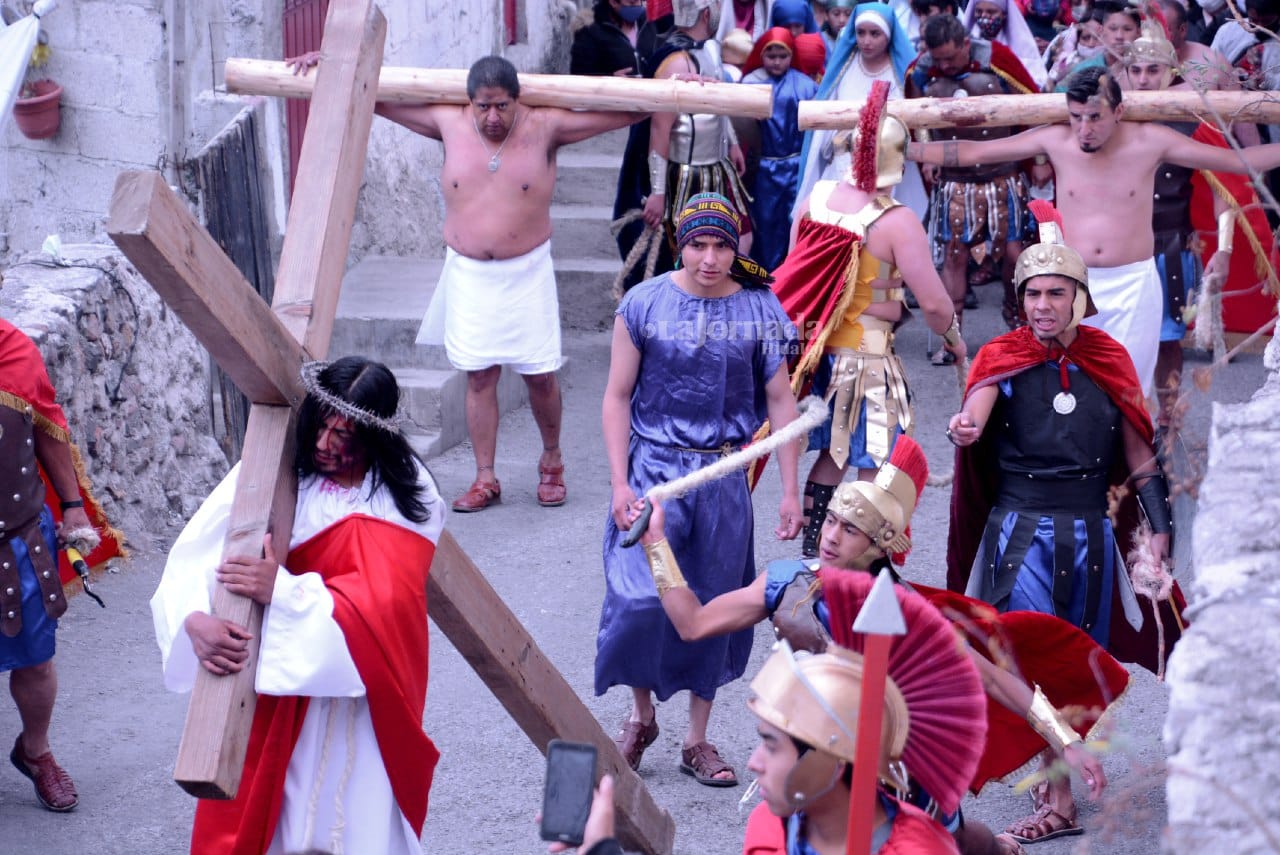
[[520, 170]]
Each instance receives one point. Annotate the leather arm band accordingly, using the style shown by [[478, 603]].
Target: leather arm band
[[1048, 722], [663, 566], [1153, 495], [1226, 230], [75, 503], [657, 174]]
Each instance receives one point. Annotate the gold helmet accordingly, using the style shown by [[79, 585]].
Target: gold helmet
[[1052, 257], [1153, 45], [882, 508], [879, 144], [814, 698]]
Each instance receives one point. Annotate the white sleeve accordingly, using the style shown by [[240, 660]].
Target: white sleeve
[[187, 583], [303, 650]]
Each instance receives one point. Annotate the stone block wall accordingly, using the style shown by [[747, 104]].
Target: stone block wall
[[131, 378], [1223, 729]]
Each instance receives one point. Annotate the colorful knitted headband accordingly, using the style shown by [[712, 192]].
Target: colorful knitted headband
[[708, 214]]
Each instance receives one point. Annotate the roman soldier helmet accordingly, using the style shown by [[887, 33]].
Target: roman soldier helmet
[[814, 698], [1052, 256], [882, 508], [878, 146], [1152, 43]]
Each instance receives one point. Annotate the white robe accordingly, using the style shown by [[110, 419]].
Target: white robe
[[337, 795]]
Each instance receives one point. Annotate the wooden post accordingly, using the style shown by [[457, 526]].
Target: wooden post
[[994, 111], [539, 699], [572, 92]]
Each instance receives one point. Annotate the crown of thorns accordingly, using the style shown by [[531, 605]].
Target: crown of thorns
[[311, 372]]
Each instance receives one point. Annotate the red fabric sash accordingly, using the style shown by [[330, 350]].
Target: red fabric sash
[[1250, 309], [377, 573], [1107, 363]]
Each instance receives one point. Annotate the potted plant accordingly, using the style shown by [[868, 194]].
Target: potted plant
[[37, 109]]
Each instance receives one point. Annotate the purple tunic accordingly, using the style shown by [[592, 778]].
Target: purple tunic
[[704, 364]]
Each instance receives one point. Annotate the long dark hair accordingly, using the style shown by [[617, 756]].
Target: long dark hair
[[370, 386]]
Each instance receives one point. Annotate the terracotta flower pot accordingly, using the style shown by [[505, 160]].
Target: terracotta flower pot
[[38, 117]]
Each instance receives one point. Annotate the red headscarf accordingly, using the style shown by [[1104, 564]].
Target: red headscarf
[[811, 55], [772, 36]]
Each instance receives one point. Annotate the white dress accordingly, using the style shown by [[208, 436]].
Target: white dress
[[337, 795]]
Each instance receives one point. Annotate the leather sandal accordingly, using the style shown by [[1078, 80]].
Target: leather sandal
[[54, 787], [704, 762], [551, 490], [634, 739], [480, 495], [1045, 824]]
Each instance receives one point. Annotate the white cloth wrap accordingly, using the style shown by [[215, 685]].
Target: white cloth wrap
[[1130, 307], [303, 652], [498, 312]]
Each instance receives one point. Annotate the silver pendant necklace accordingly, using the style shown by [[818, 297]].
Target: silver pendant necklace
[[496, 160], [1064, 403]]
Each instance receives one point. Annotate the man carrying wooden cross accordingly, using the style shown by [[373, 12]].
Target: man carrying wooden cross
[[1105, 173], [495, 303], [337, 760]]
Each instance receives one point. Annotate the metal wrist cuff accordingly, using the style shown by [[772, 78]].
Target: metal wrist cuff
[[952, 336], [1153, 495], [1226, 231], [663, 566], [657, 173], [923, 135], [1048, 722]]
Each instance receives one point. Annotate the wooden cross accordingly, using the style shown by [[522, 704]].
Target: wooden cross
[[262, 348]]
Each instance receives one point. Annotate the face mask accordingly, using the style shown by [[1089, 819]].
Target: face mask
[[1088, 52], [631, 14], [989, 28]]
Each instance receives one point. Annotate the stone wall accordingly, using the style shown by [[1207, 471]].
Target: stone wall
[[1223, 729], [119, 60], [131, 378]]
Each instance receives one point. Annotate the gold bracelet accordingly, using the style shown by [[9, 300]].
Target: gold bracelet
[[1048, 722], [663, 566], [952, 335], [1226, 230]]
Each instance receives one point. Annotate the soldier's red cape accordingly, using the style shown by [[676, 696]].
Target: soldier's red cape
[[1107, 363], [25, 381], [377, 573], [1248, 306]]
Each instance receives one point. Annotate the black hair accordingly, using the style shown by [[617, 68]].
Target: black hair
[[370, 386], [1107, 8], [1174, 13], [922, 7], [493, 71], [1091, 82], [942, 30]]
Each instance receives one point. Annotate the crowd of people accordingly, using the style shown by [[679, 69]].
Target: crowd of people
[[789, 283]]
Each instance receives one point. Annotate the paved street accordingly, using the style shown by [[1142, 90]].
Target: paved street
[[116, 730]]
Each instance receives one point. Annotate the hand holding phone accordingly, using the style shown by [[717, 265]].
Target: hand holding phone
[[566, 800]]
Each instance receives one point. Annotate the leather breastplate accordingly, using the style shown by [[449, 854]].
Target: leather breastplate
[[1056, 461], [795, 618], [1171, 194], [699, 139], [975, 83]]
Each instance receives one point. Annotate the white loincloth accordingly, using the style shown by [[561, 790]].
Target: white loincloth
[[1130, 307], [501, 312]]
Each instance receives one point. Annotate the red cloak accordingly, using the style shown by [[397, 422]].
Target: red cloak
[[914, 833], [24, 380], [1105, 362], [377, 573], [1247, 305]]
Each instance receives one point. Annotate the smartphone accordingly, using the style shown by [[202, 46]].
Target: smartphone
[[571, 781]]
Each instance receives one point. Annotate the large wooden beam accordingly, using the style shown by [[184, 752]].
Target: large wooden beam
[[211, 755], [159, 235], [573, 92], [479, 624], [995, 111]]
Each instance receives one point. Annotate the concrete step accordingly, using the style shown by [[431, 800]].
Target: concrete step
[[582, 231], [434, 404], [614, 142], [584, 178], [586, 292]]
